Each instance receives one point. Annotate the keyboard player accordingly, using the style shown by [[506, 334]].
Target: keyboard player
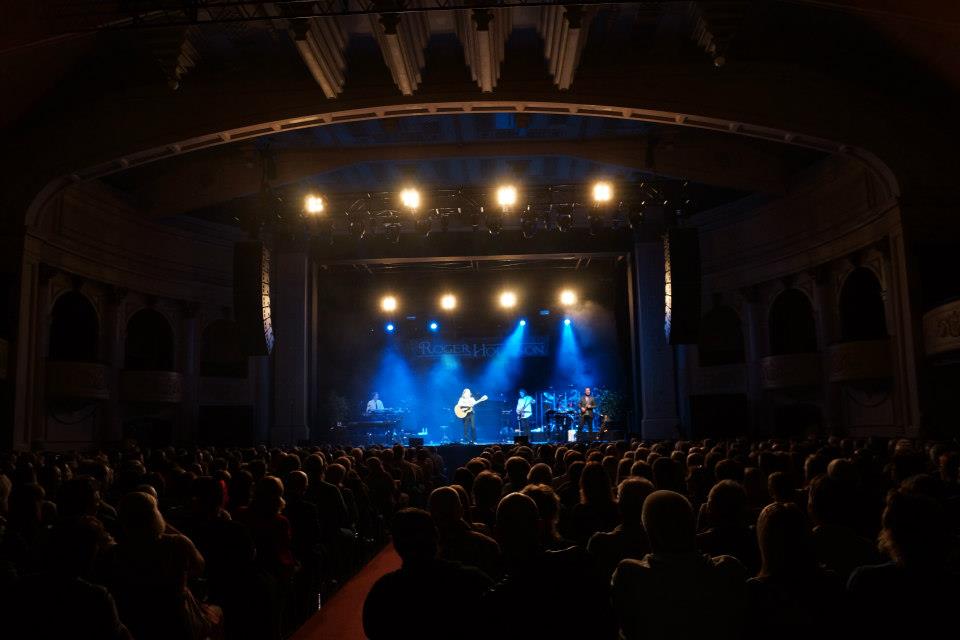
[[375, 405]]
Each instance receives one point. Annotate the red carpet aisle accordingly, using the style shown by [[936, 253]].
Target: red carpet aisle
[[341, 618]]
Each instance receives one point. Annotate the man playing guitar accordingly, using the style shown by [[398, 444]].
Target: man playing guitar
[[464, 411], [524, 412], [587, 404]]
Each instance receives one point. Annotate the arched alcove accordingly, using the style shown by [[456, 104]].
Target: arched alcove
[[862, 315], [149, 345], [220, 353], [792, 325], [74, 329], [721, 338]]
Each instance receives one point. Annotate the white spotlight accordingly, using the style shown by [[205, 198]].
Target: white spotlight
[[410, 198], [313, 204], [448, 302], [602, 192], [507, 195], [388, 303], [568, 297], [508, 299]]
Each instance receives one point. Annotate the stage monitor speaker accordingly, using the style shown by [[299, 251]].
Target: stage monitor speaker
[[681, 255], [523, 441], [415, 442], [251, 298]]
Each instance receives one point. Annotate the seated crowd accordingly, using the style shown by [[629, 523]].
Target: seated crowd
[[773, 539], [171, 544], [707, 539]]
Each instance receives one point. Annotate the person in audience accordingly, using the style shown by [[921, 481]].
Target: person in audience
[[729, 534], [675, 579], [836, 543], [628, 539], [909, 595], [532, 576], [548, 506], [487, 489], [451, 589], [148, 573], [457, 541], [791, 596], [597, 509]]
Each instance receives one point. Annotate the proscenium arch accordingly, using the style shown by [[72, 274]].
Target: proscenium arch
[[881, 171]]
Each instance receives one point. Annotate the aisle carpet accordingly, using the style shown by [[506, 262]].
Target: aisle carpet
[[340, 618]]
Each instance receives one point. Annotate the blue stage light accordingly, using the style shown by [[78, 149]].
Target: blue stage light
[[566, 321], [523, 323], [390, 328], [434, 326]]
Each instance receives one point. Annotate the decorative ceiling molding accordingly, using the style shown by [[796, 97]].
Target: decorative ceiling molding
[[402, 39], [321, 43], [564, 32], [175, 51], [484, 33]]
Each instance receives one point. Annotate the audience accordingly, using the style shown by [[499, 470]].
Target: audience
[[555, 541]]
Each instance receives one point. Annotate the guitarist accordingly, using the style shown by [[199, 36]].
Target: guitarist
[[467, 401], [587, 404]]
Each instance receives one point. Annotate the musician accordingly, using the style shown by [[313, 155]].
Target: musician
[[587, 404], [525, 404], [469, 421], [374, 404]]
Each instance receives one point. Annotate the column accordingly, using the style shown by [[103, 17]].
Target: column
[[828, 333], [904, 333], [189, 357], [290, 305], [657, 376], [755, 334], [112, 350]]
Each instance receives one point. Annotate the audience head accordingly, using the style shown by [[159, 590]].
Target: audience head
[[518, 527], [726, 503], [414, 536], [548, 504], [140, 517], [487, 489], [631, 495], [915, 531], [540, 473], [595, 485], [668, 520], [445, 506], [786, 547]]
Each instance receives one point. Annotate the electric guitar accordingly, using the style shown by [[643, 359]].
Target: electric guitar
[[463, 411]]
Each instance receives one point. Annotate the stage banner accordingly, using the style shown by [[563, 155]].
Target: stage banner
[[479, 348]]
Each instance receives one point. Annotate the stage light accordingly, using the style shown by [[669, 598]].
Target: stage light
[[494, 222], [313, 204], [434, 326], [523, 323], [602, 192], [388, 303], [568, 297], [507, 196], [392, 232], [565, 220], [390, 327], [410, 198], [566, 321], [448, 302], [508, 299]]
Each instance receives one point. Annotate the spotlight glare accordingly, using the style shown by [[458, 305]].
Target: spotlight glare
[[448, 302], [390, 328], [507, 195], [508, 299], [410, 198], [523, 323], [388, 303], [568, 297], [313, 204], [434, 326], [602, 192], [566, 321]]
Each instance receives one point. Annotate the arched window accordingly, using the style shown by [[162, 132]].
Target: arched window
[[862, 316], [220, 353], [792, 326], [74, 329], [149, 345], [721, 338]]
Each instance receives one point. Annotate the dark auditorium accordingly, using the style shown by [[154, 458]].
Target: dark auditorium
[[479, 320]]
